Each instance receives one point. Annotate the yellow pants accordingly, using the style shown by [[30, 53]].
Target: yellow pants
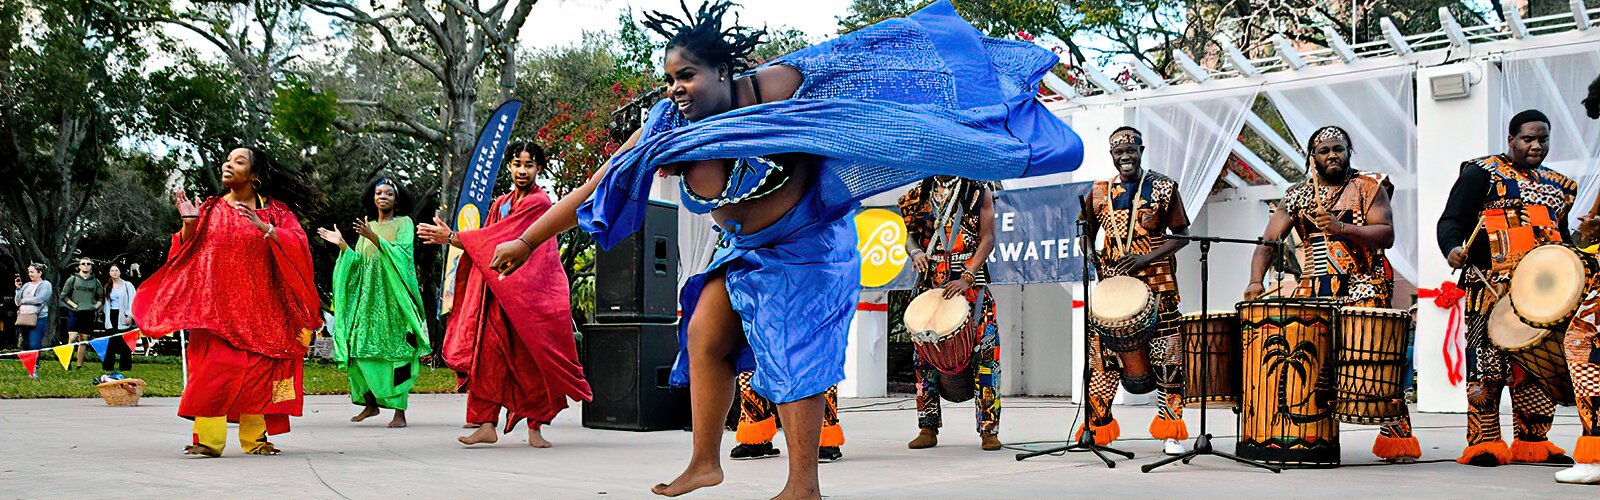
[[212, 433]]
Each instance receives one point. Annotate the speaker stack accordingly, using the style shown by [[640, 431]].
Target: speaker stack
[[630, 347]]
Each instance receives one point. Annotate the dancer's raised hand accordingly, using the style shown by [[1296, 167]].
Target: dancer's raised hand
[[332, 236], [437, 233]]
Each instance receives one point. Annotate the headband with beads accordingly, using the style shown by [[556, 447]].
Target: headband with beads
[[1330, 133], [1127, 138]]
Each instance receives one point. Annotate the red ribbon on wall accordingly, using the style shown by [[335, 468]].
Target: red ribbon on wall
[[1448, 296]]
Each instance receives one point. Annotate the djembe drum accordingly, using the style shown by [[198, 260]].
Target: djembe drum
[[943, 337], [1122, 309], [1370, 365], [1286, 413], [1536, 353]]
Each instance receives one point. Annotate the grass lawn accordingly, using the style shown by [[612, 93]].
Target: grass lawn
[[163, 376]]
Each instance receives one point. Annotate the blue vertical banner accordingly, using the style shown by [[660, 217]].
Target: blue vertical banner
[[477, 188], [1036, 239]]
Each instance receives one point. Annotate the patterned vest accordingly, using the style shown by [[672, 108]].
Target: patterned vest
[[1339, 266], [1522, 210], [947, 229], [1151, 208]]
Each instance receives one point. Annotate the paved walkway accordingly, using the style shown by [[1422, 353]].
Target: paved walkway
[[79, 448]]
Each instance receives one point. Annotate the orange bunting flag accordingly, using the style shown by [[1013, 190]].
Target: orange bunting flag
[[64, 355], [132, 338]]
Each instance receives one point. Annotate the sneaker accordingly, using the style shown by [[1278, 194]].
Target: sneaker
[[753, 451], [1580, 474], [827, 454], [1172, 447]]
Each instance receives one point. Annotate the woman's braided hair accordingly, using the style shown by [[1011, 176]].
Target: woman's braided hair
[[703, 36]]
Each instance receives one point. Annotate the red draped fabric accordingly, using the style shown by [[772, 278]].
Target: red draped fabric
[[250, 304], [511, 339]]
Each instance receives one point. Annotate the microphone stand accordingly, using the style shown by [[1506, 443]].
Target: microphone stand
[[1086, 441], [1202, 443]]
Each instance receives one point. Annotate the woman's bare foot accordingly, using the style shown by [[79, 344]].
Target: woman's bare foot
[[693, 478], [484, 435], [368, 412], [399, 419], [535, 439]]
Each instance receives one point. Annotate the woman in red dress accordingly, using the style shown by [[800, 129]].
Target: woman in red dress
[[238, 279]]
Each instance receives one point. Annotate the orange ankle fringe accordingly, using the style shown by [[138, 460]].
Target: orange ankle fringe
[[1533, 451], [832, 435], [1162, 428], [756, 432], [1390, 448], [1497, 448], [1103, 434], [1588, 450]]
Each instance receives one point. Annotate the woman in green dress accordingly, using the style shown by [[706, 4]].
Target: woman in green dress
[[378, 331]]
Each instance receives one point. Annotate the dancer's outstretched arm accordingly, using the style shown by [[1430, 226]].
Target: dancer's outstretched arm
[[510, 255]]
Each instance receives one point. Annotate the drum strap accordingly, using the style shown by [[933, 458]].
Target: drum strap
[[948, 227]]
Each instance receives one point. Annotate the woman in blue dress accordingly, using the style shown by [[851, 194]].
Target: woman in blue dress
[[780, 156]]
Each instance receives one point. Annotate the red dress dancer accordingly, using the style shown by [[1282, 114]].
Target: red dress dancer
[[510, 340], [248, 301]]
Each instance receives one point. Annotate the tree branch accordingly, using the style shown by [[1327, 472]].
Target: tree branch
[[350, 14]]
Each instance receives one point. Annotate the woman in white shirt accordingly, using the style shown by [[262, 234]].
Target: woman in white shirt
[[118, 312]]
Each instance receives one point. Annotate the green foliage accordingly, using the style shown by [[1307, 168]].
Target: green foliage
[[303, 115], [163, 377]]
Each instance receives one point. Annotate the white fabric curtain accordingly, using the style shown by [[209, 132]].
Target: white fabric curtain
[[1554, 80], [1189, 133], [697, 239], [1378, 107]]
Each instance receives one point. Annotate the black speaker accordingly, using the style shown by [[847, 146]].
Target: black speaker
[[628, 366], [637, 281]]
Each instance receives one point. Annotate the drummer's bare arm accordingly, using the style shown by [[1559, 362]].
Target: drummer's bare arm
[[1277, 228], [1378, 232]]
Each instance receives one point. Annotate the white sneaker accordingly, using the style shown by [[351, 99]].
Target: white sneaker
[[1172, 447], [1580, 474]]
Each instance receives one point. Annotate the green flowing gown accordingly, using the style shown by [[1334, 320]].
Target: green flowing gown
[[379, 334]]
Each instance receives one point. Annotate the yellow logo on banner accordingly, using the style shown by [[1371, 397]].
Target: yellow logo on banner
[[468, 218], [881, 239]]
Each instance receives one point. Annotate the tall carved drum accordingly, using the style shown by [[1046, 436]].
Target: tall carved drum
[[1287, 404]]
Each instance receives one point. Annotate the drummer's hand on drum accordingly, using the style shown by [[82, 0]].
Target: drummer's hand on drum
[[956, 286], [1130, 264], [919, 260], [1458, 258], [1589, 228], [1254, 291]]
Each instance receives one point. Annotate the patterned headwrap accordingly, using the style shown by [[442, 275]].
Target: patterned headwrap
[[1131, 137], [1326, 133]]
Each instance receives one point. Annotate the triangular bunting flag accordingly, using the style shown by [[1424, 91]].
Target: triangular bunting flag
[[64, 355], [132, 338], [30, 362], [99, 346]]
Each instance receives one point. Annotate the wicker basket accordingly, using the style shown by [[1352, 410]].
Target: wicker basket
[[123, 392]]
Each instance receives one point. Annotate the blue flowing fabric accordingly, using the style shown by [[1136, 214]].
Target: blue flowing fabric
[[879, 108]]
